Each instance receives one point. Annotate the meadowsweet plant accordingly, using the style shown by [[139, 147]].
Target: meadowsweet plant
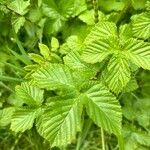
[[75, 66]]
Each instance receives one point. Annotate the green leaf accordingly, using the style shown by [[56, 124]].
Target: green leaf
[[104, 109], [112, 5], [59, 12], [88, 17], [96, 51], [53, 76], [23, 119], [37, 58], [29, 94], [54, 44], [100, 31], [44, 50], [72, 43], [6, 115], [19, 6], [67, 7], [73, 60], [61, 121], [117, 74], [137, 4], [77, 9], [141, 25], [138, 52], [18, 22], [133, 138], [131, 85]]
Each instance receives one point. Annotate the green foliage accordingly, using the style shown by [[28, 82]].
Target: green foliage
[[63, 76], [122, 51], [102, 103]]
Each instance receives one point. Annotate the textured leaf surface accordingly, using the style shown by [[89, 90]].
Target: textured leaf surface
[[53, 76], [5, 116], [60, 123], [139, 53], [73, 60], [117, 74], [104, 109], [29, 94], [141, 25], [96, 51], [86, 71], [23, 119], [19, 6], [101, 30]]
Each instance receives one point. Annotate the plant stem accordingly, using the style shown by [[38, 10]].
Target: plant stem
[[95, 6], [83, 134], [16, 142], [8, 78], [103, 139]]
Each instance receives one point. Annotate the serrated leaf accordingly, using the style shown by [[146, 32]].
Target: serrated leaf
[[124, 51], [141, 25], [138, 52], [60, 123], [96, 51], [5, 116], [73, 60], [23, 119], [18, 22], [19, 6], [103, 108], [100, 31], [53, 76], [29, 94], [44, 50], [117, 74]]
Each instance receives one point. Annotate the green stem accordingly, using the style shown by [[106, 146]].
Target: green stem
[[7, 78], [83, 134], [103, 139], [22, 50], [16, 141], [95, 6], [6, 87]]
